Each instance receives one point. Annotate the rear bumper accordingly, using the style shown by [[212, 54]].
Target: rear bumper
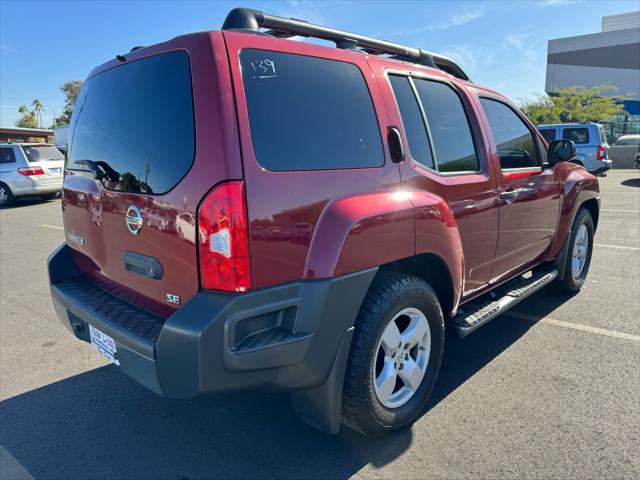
[[601, 166], [284, 337], [27, 186]]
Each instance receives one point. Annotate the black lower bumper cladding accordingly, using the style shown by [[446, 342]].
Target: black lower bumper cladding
[[286, 338]]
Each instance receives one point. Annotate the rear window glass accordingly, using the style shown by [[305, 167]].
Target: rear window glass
[[309, 113], [448, 126], [42, 153], [133, 126], [548, 134], [577, 135], [412, 120]]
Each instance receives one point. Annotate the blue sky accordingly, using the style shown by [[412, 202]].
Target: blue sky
[[501, 44]]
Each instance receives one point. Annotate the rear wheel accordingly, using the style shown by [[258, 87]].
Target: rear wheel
[[6, 197], [579, 254], [395, 355]]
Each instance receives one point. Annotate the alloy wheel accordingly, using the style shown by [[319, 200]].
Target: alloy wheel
[[580, 251], [401, 358]]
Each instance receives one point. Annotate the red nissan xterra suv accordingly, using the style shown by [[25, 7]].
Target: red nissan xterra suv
[[242, 210]]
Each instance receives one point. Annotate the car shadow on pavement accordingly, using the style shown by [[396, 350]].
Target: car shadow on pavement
[[631, 182], [29, 201], [101, 424]]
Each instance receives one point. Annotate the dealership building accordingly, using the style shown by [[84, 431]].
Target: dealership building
[[609, 57]]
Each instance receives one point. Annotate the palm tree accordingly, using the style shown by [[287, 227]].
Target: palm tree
[[38, 108]]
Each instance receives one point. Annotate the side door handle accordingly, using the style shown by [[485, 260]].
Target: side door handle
[[509, 195]]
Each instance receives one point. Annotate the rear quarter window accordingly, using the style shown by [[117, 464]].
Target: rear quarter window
[[577, 135], [309, 113]]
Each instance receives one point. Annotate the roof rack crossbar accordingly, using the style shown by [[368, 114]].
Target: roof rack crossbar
[[248, 19]]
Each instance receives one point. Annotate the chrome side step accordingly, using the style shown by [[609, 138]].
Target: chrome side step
[[471, 317]]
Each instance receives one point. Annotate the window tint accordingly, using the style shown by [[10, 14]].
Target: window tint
[[449, 127], [578, 135], [603, 136], [549, 134], [7, 155], [514, 141], [133, 125], [412, 120], [42, 153], [309, 113]]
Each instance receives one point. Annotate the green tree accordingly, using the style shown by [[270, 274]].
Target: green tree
[[573, 104], [71, 90], [27, 118], [37, 109]]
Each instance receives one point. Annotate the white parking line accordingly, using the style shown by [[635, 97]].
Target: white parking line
[[621, 247], [575, 326], [619, 211], [52, 226]]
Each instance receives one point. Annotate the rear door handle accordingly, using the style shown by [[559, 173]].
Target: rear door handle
[[142, 265], [509, 195]]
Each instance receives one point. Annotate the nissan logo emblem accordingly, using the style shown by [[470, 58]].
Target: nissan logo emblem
[[133, 219]]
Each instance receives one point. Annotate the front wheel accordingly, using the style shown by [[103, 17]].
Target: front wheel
[[395, 355], [579, 254]]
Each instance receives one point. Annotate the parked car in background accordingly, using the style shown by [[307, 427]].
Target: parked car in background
[[592, 149], [381, 232], [626, 140], [29, 169]]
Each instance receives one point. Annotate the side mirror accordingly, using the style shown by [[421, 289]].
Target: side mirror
[[561, 151]]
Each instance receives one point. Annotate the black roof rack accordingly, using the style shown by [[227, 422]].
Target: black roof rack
[[250, 20]]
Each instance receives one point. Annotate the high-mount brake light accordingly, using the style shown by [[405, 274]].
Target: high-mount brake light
[[30, 171], [223, 239]]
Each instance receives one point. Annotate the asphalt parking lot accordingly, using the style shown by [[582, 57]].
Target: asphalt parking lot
[[551, 390]]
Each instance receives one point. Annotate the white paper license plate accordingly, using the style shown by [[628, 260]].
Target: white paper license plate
[[55, 170], [104, 344]]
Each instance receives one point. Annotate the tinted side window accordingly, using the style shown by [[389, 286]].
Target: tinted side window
[[578, 135], [514, 141], [7, 155], [449, 127], [309, 113], [412, 120], [548, 134]]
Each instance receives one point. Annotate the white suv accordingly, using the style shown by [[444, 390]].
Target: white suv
[[29, 169]]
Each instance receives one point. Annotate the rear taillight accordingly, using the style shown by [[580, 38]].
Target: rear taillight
[[30, 171], [223, 239], [600, 155]]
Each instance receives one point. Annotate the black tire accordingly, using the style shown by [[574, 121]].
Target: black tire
[[6, 197], [388, 295], [570, 283]]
